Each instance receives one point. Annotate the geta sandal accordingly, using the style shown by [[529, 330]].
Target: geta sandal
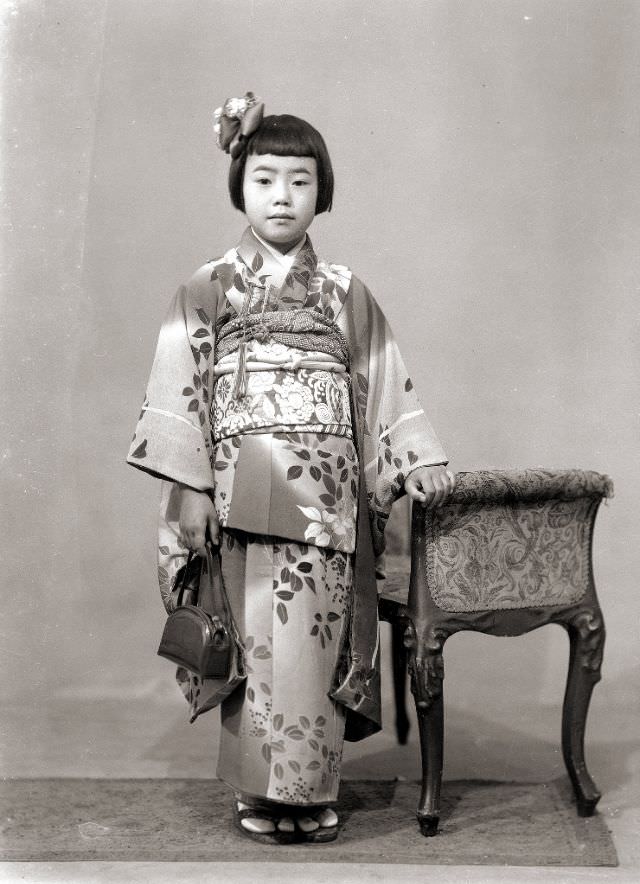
[[283, 832], [319, 828]]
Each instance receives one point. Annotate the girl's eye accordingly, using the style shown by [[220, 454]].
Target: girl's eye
[[263, 181], [300, 183]]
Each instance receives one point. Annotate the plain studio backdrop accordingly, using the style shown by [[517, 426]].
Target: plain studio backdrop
[[486, 159]]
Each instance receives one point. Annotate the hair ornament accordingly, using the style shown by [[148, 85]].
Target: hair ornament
[[236, 121]]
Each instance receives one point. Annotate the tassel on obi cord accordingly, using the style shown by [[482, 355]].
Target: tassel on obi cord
[[240, 380], [255, 332]]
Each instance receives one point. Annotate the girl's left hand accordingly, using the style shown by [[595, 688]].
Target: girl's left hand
[[430, 486]]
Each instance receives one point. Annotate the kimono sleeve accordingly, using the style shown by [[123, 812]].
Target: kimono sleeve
[[396, 435], [173, 436]]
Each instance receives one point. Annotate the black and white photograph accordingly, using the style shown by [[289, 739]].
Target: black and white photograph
[[321, 395]]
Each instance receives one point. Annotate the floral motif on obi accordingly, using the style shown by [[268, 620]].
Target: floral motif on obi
[[282, 397]]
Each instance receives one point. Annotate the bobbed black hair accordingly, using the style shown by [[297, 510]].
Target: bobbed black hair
[[284, 135]]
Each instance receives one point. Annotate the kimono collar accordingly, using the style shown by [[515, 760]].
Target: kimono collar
[[286, 259], [290, 277]]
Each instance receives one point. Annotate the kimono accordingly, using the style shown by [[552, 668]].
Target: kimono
[[280, 392]]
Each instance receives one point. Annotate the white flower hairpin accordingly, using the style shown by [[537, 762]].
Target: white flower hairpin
[[236, 121]]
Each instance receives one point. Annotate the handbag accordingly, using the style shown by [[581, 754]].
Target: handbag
[[200, 634]]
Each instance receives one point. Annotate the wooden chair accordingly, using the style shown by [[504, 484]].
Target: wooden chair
[[508, 552]]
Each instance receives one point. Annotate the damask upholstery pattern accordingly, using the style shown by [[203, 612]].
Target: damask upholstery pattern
[[513, 539], [519, 485]]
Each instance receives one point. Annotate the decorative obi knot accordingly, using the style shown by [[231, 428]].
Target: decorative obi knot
[[299, 329], [260, 333]]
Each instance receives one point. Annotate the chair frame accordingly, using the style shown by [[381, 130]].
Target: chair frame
[[420, 629]]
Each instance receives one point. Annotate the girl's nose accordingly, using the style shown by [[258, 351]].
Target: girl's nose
[[282, 196]]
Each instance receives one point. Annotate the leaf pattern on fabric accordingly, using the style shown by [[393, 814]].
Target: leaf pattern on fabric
[[320, 469], [140, 451], [198, 394], [333, 524], [255, 652], [327, 290], [290, 740], [322, 627], [360, 683], [336, 479]]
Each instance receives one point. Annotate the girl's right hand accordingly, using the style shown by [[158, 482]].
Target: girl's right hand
[[197, 519]]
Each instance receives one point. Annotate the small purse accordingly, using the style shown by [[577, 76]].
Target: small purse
[[199, 634]]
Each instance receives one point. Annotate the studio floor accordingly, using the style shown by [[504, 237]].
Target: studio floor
[[147, 735]]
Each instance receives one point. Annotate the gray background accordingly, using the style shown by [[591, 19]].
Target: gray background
[[486, 156]]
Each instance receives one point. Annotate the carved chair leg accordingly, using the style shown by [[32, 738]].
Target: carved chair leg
[[431, 725], [586, 637], [399, 653], [427, 672]]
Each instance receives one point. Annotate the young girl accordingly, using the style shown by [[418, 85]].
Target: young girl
[[280, 416]]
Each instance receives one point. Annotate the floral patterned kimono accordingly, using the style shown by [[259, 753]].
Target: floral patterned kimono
[[280, 391]]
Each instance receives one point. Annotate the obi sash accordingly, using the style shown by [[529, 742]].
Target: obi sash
[[276, 396]]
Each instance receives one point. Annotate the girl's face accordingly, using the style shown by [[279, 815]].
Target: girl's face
[[280, 195]]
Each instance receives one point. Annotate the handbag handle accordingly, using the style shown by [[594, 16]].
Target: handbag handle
[[182, 580], [212, 597], [209, 591]]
